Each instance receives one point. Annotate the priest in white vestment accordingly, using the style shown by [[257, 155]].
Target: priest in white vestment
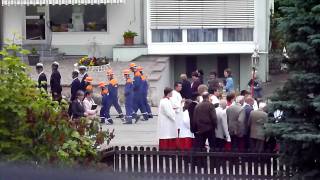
[[167, 128]]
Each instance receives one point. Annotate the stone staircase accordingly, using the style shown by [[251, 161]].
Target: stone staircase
[[46, 51]]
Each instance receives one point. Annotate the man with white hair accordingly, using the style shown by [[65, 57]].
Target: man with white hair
[[222, 132], [233, 113], [82, 76], [257, 119]]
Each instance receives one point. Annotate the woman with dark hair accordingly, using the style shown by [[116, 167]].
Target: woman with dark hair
[[229, 86], [167, 128], [201, 74], [77, 106], [90, 106]]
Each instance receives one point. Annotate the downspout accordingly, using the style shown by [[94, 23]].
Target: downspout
[[142, 20], [1, 25]]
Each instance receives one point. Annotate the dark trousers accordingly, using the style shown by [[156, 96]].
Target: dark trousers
[[201, 139], [219, 144], [257, 145], [114, 102], [139, 105]]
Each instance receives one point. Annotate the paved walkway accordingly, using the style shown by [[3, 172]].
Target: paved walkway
[[144, 133]]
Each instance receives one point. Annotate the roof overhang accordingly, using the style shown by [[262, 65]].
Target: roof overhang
[[58, 2]]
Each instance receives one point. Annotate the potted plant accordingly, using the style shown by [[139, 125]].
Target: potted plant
[[33, 57], [128, 37]]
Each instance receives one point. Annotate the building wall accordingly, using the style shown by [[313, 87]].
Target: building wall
[[120, 18], [13, 21]]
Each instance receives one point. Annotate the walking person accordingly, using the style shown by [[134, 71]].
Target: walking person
[[42, 78], [82, 76], [144, 92], [167, 129], [75, 85], [205, 119], [222, 133], [229, 86], [257, 120], [105, 105], [137, 98], [128, 94], [113, 93], [233, 113], [55, 82], [186, 87]]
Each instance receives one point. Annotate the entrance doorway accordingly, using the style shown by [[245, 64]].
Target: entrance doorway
[[191, 65]]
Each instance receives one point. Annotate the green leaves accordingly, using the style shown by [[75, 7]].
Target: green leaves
[[299, 131]]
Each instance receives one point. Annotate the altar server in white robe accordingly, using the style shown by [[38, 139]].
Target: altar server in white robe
[[167, 128], [177, 104]]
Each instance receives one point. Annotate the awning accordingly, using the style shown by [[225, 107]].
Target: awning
[[58, 2]]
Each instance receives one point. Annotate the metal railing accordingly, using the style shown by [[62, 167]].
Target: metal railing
[[189, 163]]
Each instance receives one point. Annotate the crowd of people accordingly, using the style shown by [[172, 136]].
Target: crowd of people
[[193, 113], [82, 103]]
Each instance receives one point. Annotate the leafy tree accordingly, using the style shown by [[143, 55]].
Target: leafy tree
[[33, 128], [299, 99]]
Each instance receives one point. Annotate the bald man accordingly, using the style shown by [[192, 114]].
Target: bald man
[[244, 130]]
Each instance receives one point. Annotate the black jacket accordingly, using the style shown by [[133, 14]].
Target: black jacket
[[77, 109], [194, 89], [205, 117], [42, 81], [55, 82], [191, 108], [186, 89], [83, 84], [75, 86]]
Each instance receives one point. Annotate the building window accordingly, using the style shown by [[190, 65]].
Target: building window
[[238, 34], [202, 35], [78, 18], [166, 35]]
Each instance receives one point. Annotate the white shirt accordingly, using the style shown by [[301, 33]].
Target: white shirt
[[214, 99], [222, 131], [87, 104], [167, 128]]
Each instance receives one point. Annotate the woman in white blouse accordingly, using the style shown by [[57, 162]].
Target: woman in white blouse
[[90, 106]]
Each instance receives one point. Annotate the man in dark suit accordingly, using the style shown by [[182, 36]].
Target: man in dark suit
[[244, 130], [55, 82], [186, 87], [42, 79], [75, 85], [194, 85], [205, 119], [82, 77]]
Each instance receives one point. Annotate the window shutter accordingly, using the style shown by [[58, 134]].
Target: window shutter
[[201, 13]]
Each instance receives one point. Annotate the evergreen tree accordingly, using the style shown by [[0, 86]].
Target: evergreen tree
[[299, 131]]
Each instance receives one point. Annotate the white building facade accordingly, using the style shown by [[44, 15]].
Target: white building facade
[[197, 34]]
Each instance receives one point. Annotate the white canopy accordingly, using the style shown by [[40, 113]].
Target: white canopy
[[58, 2]]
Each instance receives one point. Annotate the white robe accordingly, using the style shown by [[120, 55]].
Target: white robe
[[167, 128], [185, 126], [177, 105]]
